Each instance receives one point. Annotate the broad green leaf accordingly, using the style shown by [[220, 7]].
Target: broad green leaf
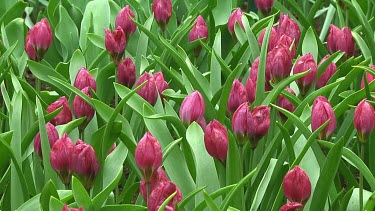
[[309, 44], [80, 194], [77, 61], [49, 190]]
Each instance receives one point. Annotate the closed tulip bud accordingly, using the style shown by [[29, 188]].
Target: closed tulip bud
[[202, 122], [86, 164], [261, 122], [192, 108], [340, 40], [149, 91], [254, 75], [292, 206], [161, 193], [289, 27], [126, 72], [237, 96], [327, 74], [242, 123], [52, 134], [115, 43], [297, 185], [284, 103], [82, 109], [84, 79], [274, 37], [123, 20], [65, 115], [161, 84], [148, 156], [65, 208], [158, 179], [251, 86], [199, 30], [279, 63], [303, 64], [369, 78], [216, 140], [364, 120], [322, 111], [236, 16], [38, 40], [162, 12], [62, 159], [264, 6], [287, 42]]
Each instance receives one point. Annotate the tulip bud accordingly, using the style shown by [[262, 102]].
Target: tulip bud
[[199, 30], [65, 208], [261, 122], [161, 193], [161, 84], [237, 96], [216, 140], [86, 164], [303, 64], [64, 116], [61, 158], [279, 63], [162, 12], [192, 108], [38, 40], [251, 86], [52, 134], [148, 91], [274, 37], [236, 16], [126, 72], [289, 27], [242, 123], [284, 103], [340, 40], [202, 122], [148, 156], [322, 111], [292, 206], [82, 108], [364, 120], [115, 43], [327, 74], [287, 42], [84, 79], [123, 20], [264, 6], [369, 78], [158, 179], [297, 186]]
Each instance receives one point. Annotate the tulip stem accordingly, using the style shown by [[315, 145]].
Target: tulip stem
[[361, 179], [347, 16], [82, 134], [148, 191], [37, 86]]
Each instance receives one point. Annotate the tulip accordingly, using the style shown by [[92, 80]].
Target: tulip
[[289, 27], [38, 40], [192, 108], [86, 164], [327, 74], [61, 158], [254, 75], [284, 103], [340, 40], [148, 91], [202, 122], [148, 156], [237, 96], [297, 185], [199, 30], [236, 16], [369, 78], [126, 72], [261, 124], [242, 123], [264, 6], [274, 37], [115, 44], [161, 84], [161, 193], [216, 140], [162, 12], [52, 134], [364, 120], [279, 63], [303, 64], [65, 208], [84, 79], [292, 206], [123, 20], [251, 86], [287, 42], [82, 108], [322, 111], [65, 115], [158, 179]]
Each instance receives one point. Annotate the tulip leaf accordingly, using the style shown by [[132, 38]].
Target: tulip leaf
[[142, 45], [49, 190], [187, 198], [12, 13], [97, 40], [77, 61], [210, 202], [80, 194], [309, 44], [166, 201], [215, 75], [127, 207], [214, 195], [55, 204], [370, 205]]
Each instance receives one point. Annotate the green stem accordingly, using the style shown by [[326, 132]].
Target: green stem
[[37, 86], [247, 193], [82, 134], [347, 16], [241, 160], [148, 191], [361, 179]]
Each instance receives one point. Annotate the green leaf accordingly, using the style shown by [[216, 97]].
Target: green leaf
[[210, 202], [49, 190], [191, 195], [77, 61], [370, 205], [80, 194], [16, 11], [97, 40], [142, 45], [55, 204], [165, 203], [309, 44], [215, 73], [127, 207]]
